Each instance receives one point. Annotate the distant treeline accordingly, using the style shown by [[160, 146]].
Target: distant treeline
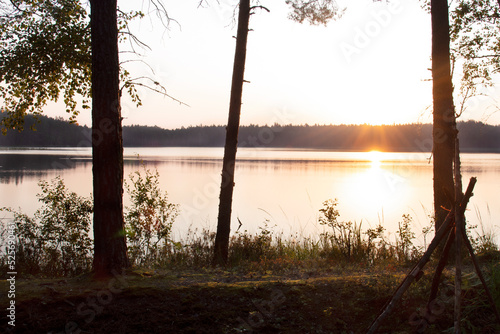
[[474, 136]]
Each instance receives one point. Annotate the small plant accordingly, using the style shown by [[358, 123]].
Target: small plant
[[380, 249], [405, 249], [148, 222], [55, 241], [246, 247], [426, 230], [484, 241], [344, 237]]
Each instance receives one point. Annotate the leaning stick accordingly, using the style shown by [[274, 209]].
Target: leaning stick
[[413, 274], [459, 222], [480, 273], [440, 268], [443, 229]]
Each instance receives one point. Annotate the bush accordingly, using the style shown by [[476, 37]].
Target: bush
[[344, 238], [55, 241], [405, 249], [148, 222]]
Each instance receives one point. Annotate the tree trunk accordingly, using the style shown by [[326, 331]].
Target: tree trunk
[[444, 129], [110, 250], [227, 184]]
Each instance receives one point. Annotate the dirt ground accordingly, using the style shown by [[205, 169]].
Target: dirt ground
[[221, 302]]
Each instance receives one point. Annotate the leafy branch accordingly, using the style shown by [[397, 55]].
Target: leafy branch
[[45, 53], [314, 11]]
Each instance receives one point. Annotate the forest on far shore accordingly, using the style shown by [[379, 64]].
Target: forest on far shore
[[474, 136]]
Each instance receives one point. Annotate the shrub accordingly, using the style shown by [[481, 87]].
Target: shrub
[[344, 238], [378, 248], [148, 222], [55, 241], [405, 249]]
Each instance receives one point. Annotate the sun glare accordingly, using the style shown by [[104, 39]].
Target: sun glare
[[376, 158], [374, 188]]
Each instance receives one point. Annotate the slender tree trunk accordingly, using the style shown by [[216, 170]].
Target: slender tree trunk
[[110, 250], [227, 184], [444, 129]]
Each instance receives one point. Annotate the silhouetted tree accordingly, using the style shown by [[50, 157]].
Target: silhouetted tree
[[444, 122], [45, 51], [316, 11], [231, 144], [110, 250]]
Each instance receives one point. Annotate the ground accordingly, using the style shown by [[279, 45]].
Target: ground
[[342, 300]]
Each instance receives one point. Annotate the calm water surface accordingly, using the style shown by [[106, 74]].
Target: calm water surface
[[284, 187]]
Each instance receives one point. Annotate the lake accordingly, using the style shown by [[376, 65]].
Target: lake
[[283, 187]]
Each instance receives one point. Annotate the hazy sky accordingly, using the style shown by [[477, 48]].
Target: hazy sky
[[371, 66]]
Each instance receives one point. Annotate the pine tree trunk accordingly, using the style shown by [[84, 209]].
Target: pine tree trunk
[[227, 184], [110, 250], [444, 128]]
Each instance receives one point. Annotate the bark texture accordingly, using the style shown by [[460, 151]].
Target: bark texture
[[444, 123], [227, 184], [110, 250]]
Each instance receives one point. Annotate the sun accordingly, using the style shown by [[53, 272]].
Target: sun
[[375, 158]]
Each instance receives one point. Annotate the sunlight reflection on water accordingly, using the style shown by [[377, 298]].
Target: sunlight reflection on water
[[286, 187]]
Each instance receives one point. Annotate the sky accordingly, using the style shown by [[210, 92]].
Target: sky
[[370, 66]]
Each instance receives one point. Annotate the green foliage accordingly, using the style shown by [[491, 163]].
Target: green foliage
[[148, 222], [474, 27], [246, 247], [55, 241], [315, 11], [378, 248], [44, 51], [406, 251], [475, 43], [477, 313], [483, 242], [195, 251], [344, 237]]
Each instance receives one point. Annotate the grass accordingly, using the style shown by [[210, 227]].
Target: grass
[[272, 285], [332, 299], [335, 283]]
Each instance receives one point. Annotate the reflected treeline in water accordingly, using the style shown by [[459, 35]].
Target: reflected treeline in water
[[15, 167], [201, 164]]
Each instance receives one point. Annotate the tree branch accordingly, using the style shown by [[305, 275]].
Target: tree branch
[[264, 8], [161, 91]]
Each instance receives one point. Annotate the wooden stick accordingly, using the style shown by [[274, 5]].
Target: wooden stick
[[459, 222], [480, 273], [458, 271], [425, 258], [440, 268], [445, 227]]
